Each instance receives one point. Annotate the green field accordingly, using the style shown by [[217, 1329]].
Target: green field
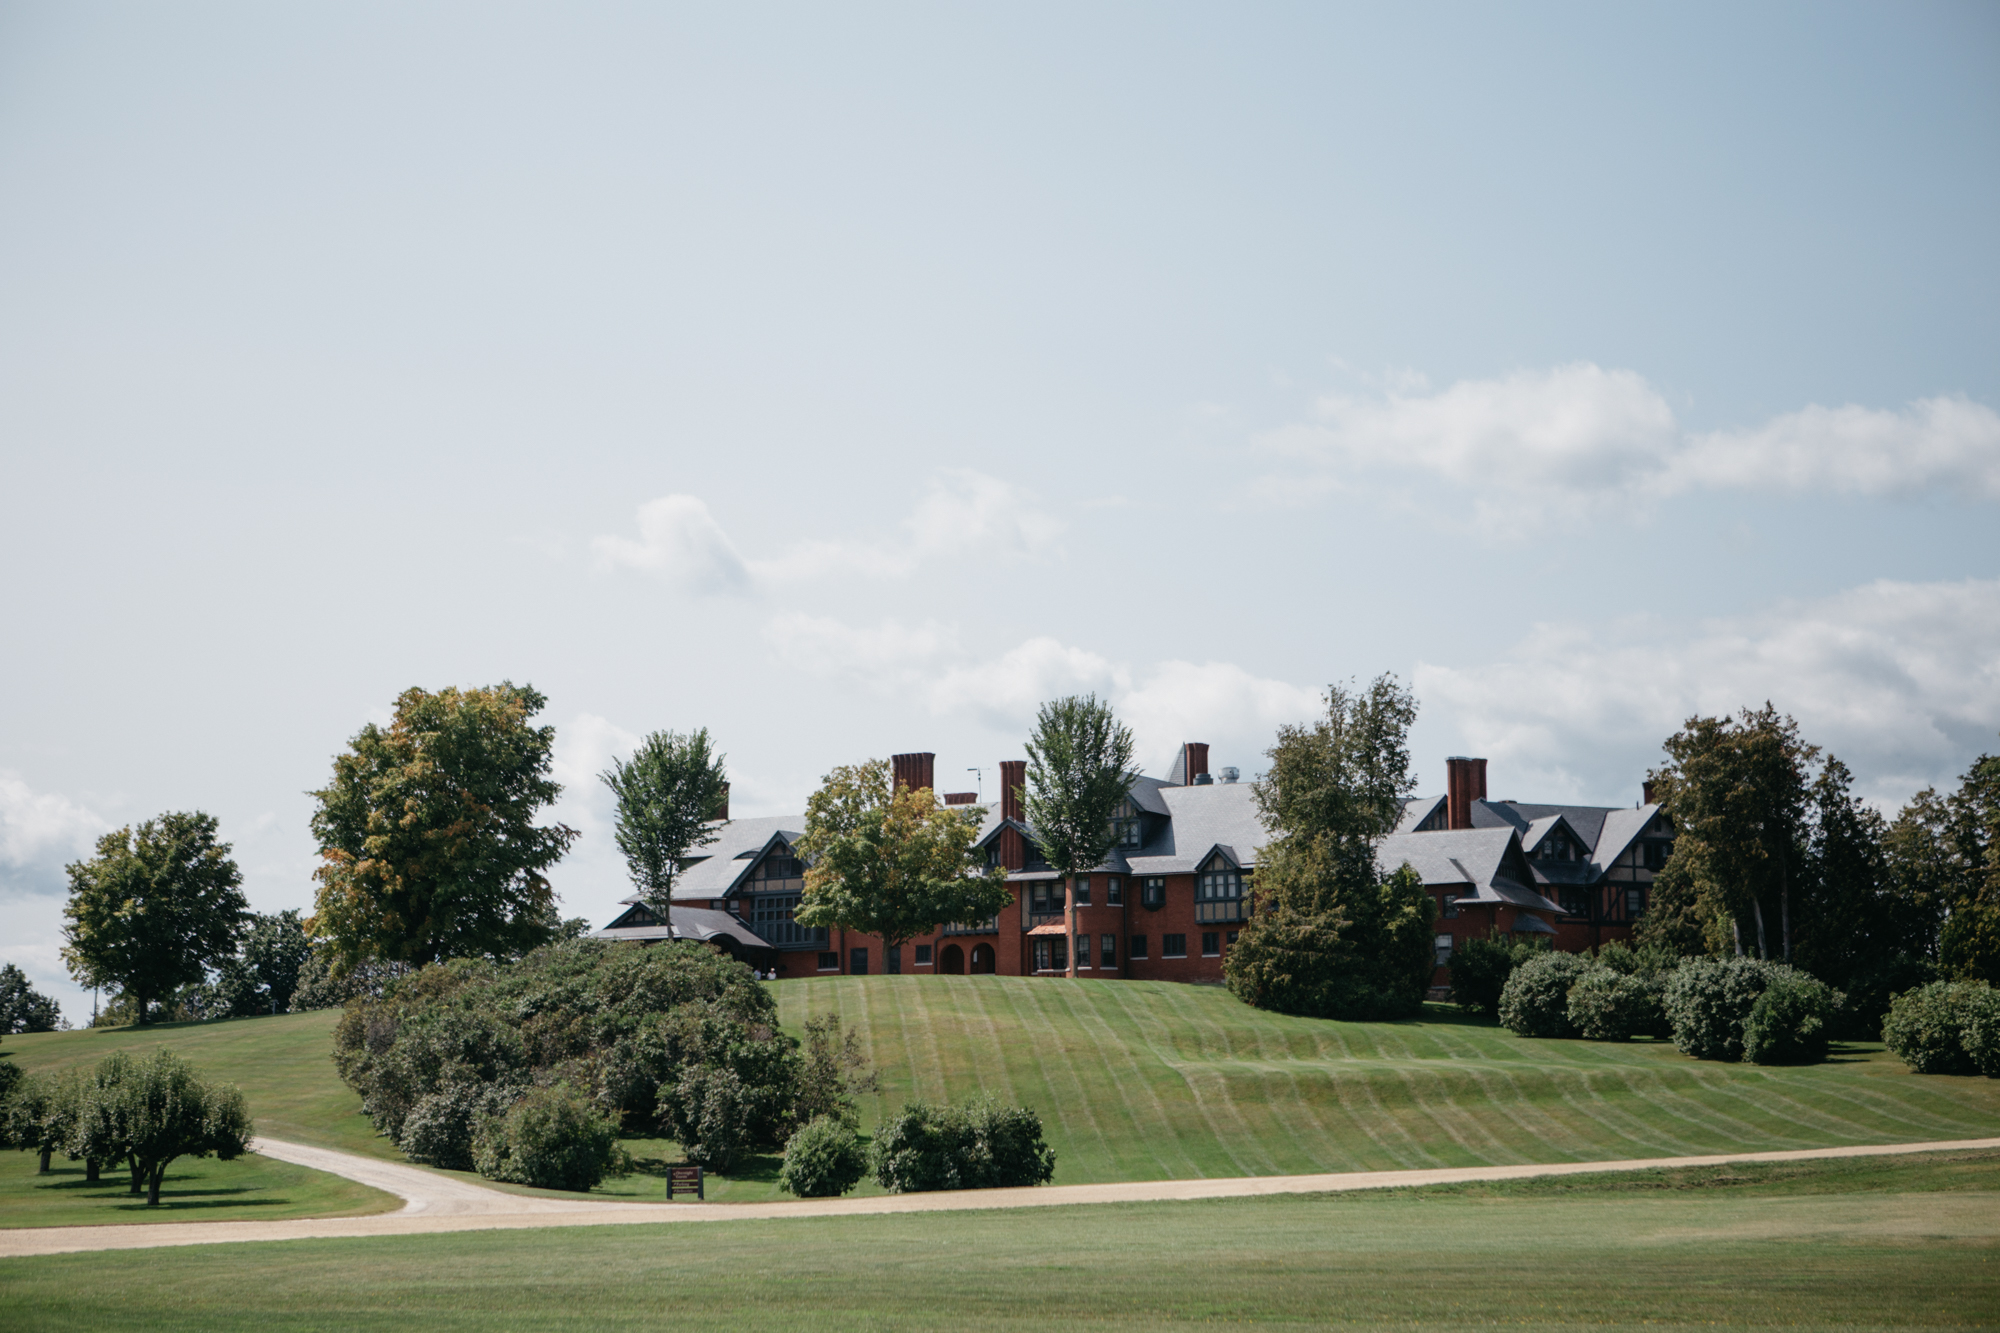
[[251, 1188], [1867, 1243], [1143, 1080]]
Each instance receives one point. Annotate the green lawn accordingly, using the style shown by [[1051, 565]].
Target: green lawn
[[1144, 1080], [251, 1188], [1874, 1243]]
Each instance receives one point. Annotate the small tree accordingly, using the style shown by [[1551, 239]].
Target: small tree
[[897, 864], [154, 908], [274, 953], [23, 1008], [823, 1159], [667, 793], [429, 847], [40, 1116], [151, 1112], [1079, 771]]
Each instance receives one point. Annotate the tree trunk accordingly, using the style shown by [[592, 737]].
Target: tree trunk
[[91, 1167], [1763, 950], [45, 1163], [153, 1185], [1736, 934], [138, 1175], [1069, 923], [1785, 909]]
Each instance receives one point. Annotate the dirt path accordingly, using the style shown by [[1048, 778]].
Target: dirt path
[[436, 1203]]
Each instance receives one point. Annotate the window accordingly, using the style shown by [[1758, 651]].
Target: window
[[923, 955], [829, 962], [1042, 956], [1230, 938], [1153, 895], [1128, 827], [1218, 893], [1045, 898], [771, 917], [1137, 947], [1033, 859], [781, 864], [1114, 891], [1635, 903], [895, 968], [857, 962], [1450, 907], [1656, 854], [1443, 950], [986, 927], [1107, 951], [1576, 902], [1083, 951], [1211, 944], [1173, 946], [1082, 886], [1556, 847]]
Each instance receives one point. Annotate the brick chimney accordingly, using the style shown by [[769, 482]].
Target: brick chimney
[[722, 806], [1651, 790], [913, 770], [1195, 754], [961, 797], [1464, 783], [1013, 774]]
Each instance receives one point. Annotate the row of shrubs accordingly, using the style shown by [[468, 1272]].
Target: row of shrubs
[[1947, 1027], [977, 1145]]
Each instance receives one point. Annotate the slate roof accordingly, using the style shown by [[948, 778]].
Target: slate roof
[[1487, 863], [683, 923], [1605, 831], [732, 855], [1218, 814]]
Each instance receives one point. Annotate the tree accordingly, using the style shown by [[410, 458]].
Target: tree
[[428, 843], [897, 864], [23, 1008], [668, 792], [274, 953], [1079, 772], [1333, 936], [148, 1113], [154, 909], [1969, 938]]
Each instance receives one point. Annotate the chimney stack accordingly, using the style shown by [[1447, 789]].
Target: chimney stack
[[1652, 793], [913, 770], [1464, 783], [1013, 774], [961, 798], [722, 808], [1195, 763]]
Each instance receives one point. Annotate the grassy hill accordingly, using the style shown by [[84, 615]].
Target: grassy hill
[[1142, 1080]]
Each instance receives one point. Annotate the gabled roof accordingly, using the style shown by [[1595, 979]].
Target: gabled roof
[[1416, 810], [1487, 863], [1203, 818], [1621, 829], [683, 923], [737, 847]]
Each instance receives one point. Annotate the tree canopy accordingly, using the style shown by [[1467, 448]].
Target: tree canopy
[[429, 847], [897, 864], [154, 908], [1331, 936], [667, 793], [22, 1007], [1079, 772]]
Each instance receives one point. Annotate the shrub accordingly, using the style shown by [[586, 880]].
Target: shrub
[[824, 1158], [1791, 1021], [1708, 999], [1535, 1001], [1982, 1034], [1613, 1006], [979, 1145], [1928, 1028], [552, 1138], [708, 1114], [1870, 990], [1479, 972], [439, 1129]]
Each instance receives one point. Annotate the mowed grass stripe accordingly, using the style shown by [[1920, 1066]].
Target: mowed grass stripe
[[1148, 1124]]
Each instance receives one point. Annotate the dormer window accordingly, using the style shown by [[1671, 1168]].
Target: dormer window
[[1128, 827], [1218, 892], [1558, 846]]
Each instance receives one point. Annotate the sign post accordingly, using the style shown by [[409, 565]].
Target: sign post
[[684, 1180]]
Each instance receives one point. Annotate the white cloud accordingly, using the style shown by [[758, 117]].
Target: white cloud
[[1006, 691], [824, 646], [1214, 701], [679, 541], [1901, 680], [1526, 443], [40, 832], [963, 519]]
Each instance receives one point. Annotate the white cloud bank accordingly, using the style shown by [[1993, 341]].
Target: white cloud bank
[[962, 516], [1534, 440], [40, 832], [1901, 680]]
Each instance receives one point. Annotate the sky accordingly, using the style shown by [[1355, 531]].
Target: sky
[[850, 379]]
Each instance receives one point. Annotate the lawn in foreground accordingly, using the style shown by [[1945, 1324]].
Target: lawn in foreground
[[197, 1189], [1863, 1243]]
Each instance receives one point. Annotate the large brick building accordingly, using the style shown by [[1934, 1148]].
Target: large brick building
[[1168, 901]]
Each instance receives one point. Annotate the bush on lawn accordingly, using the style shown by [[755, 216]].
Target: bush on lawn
[[823, 1158], [1535, 1001], [553, 1138], [979, 1145], [1791, 1021], [1605, 1005], [1479, 972], [439, 1128], [1708, 999], [1947, 1027]]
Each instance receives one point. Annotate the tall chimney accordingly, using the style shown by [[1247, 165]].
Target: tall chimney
[[1013, 774], [913, 770], [1197, 761], [722, 807], [1464, 783], [1651, 790]]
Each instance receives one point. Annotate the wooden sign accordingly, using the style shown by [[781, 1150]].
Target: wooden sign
[[684, 1180]]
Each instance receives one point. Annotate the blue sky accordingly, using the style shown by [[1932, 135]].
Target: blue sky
[[849, 380]]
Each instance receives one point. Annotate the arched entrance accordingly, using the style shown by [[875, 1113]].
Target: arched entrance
[[982, 959], [951, 961]]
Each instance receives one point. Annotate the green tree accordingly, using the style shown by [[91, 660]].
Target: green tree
[[1969, 939], [274, 953], [148, 1113], [668, 792], [22, 1007], [1079, 771], [1332, 935], [429, 847], [897, 864], [154, 908]]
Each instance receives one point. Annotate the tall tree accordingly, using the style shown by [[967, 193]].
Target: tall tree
[[274, 952], [1738, 791], [1845, 914], [1969, 939], [1332, 936], [668, 792], [897, 864], [429, 847], [154, 908], [1079, 771], [22, 1007]]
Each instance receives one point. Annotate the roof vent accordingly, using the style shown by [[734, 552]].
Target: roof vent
[[1230, 774], [1202, 780]]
